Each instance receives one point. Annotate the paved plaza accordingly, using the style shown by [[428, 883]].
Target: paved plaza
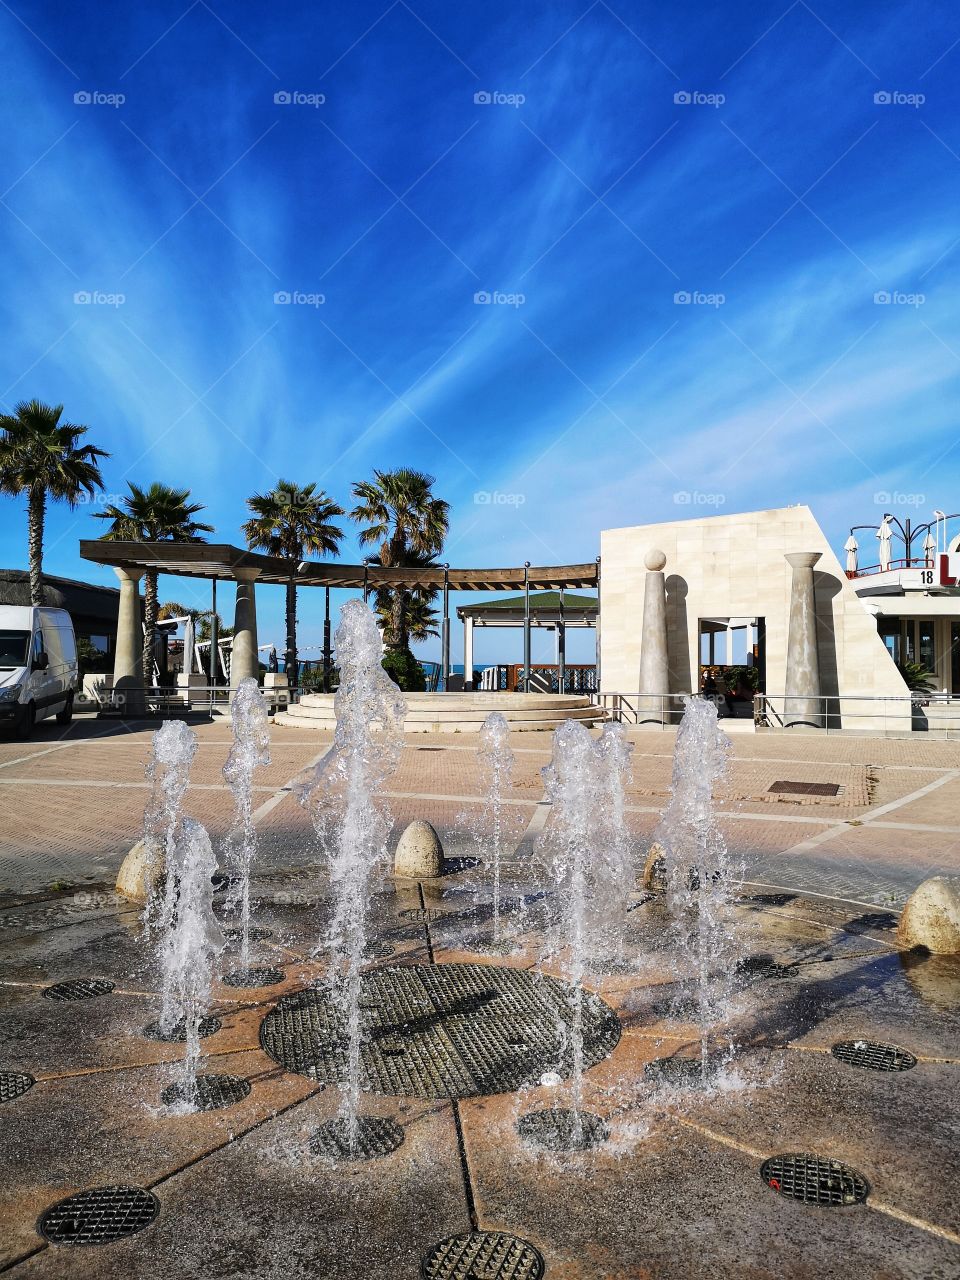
[[680, 1186], [71, 803]]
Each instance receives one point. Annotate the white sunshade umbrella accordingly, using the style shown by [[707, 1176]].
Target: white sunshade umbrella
[[929, 547], [884, 533], [851, 547]]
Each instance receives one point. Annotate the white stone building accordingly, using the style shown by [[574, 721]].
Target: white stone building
[[731, 595]]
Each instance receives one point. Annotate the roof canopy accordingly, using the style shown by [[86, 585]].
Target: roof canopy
[[545, 610], [219, 560]]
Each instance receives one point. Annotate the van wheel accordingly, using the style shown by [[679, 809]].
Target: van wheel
[[27, 721], [66, 715]]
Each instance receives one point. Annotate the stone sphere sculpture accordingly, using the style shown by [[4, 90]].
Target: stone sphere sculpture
[[655, 560]]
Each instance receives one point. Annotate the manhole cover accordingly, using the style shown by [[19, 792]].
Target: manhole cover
[[482, 1255], [98, 1216], [255, 934], [375, 1136], [807, 788], [563, 1130], [14, 1084], [875, 1057], [253, 977], [79, 989], [814, 1180], [211, 1093], [178, 1032], [441, 1031]]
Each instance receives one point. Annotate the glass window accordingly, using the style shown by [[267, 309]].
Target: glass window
[[955, 658], [910, 628], [38, 644], [14, 646], [927, 647], [890, 634]]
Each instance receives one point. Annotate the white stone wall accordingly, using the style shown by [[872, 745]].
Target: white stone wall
[[734, 566]]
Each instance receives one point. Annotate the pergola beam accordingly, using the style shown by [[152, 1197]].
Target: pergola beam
[[221, 561]]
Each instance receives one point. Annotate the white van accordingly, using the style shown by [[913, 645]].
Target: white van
[[38, 666]]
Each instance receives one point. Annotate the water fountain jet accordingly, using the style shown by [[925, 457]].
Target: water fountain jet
[[250, 749], [351, 825]]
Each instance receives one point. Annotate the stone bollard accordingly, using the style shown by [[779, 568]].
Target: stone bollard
[[139, 873], [419, 852], [654, 876], [931, 918]]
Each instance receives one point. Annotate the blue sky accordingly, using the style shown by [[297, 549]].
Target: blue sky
[[577, 183]]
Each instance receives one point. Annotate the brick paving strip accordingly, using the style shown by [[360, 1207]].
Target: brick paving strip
[[872, 815]]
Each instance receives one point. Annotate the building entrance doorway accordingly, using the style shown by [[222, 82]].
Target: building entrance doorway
[[732, 663]]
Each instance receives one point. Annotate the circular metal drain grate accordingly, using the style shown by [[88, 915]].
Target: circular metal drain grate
[[482, 1255], [253, 977], [14, 1084], [212, 1092], [441, 1031], [377, 950], [376, 1136], [763, 966], [98, 1216], [563, 1130], [815, 1180], [683, 1073], [872, 1056], [256, 934], [79, 989], [178, 1033]]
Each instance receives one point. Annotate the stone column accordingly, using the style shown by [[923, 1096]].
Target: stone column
[[802, 704], [243, 658], [654, 667], [128, 650], [468, 653]]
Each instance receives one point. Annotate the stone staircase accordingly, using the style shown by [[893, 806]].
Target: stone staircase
[[457, 712]]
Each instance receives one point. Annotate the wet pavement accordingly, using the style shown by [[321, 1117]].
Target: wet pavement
[[674, 1190]]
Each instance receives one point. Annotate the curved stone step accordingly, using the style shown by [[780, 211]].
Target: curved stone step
[[457, 712], [285, 720]]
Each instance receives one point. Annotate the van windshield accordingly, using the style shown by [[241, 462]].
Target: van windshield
[[14, 646]]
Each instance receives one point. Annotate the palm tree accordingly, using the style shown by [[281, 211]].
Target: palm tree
[[157, 514], [290, 522], [399, 511], [43, 457], [421, 620]]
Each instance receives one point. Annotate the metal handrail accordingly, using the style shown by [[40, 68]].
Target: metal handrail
[[167, 701]]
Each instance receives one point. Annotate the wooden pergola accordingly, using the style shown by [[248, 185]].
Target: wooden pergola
[[221, 562]]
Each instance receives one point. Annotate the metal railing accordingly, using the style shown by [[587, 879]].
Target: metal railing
[[934, 714], [165, 702]]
